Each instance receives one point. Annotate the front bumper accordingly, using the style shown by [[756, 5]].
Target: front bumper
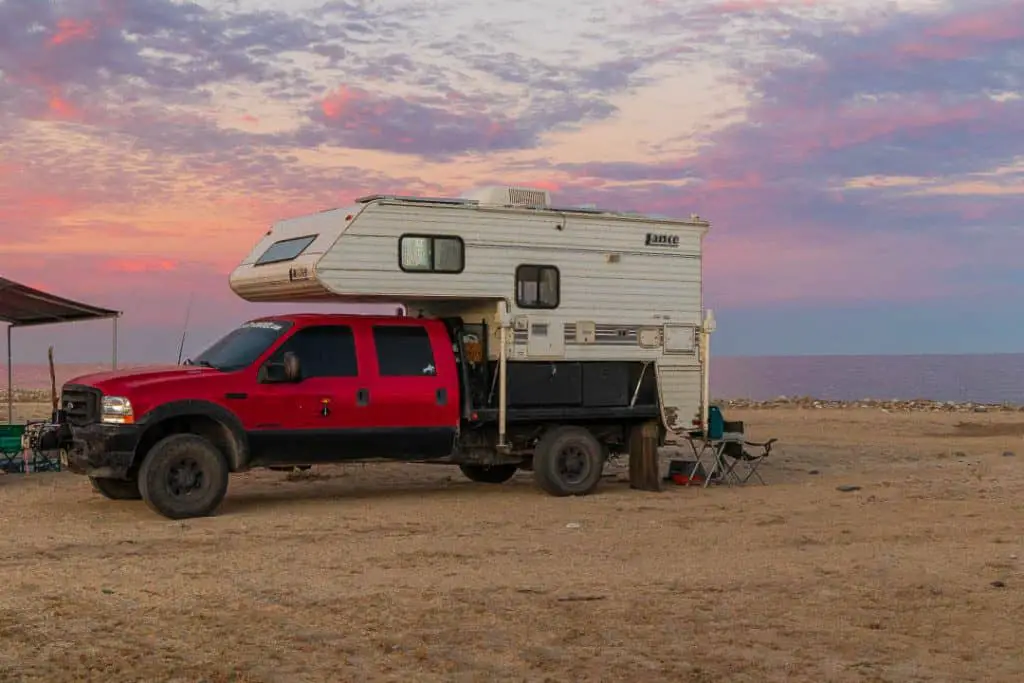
[[97, 450]]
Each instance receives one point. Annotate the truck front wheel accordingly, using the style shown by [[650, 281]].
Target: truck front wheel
[[117, 489], [568, 461], [182, 476], [489, 474]]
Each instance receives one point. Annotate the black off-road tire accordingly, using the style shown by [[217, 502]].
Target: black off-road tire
[[568, 461], [168, 477], [489, 474], [117, 489]]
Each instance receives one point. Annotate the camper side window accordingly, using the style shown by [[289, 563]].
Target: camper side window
[[537, 286], [431, 254], [285, 250]]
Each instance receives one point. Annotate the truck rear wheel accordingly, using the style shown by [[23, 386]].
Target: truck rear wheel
[[568, 461], [182, 476], [117, 489], [489, 474]]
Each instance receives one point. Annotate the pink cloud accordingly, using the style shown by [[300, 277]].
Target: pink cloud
[[71, 30], [961, 36], [140, 265], [1005, 22], [449, 123], [25, 207], [741, 6], [799, 133], [942, 51], [339, 103], [745, 181], [355, 108], [62, 109], [36, 75]]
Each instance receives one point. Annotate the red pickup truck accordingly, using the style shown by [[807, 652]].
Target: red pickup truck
[[297, 390]]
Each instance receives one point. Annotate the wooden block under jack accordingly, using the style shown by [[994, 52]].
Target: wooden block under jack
[[643, 457]]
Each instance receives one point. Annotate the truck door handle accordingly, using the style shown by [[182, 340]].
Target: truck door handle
[[442, 397], [363, 397]]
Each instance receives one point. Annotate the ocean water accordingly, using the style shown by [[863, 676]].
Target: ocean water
[[995, 378], [983, 378]]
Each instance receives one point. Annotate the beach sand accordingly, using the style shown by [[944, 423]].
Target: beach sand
[[26, 411], [412, 573]]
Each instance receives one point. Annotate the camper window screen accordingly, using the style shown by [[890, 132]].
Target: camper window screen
[[285, 250], [537, 287], [428, 254]]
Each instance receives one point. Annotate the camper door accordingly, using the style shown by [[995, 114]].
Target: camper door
[[538, 295]]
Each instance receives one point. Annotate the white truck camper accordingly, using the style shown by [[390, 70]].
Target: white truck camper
[[568, 307]]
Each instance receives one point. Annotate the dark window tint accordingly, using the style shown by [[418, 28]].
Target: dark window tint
[[537, 287], [403, 351], [285, 250], [323, 351], [431, 254], [241, 347]]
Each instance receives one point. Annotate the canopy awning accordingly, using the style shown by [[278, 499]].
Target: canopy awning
[[23, 306]]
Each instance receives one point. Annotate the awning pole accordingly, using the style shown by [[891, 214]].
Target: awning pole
[[10, 380], [113, 361]]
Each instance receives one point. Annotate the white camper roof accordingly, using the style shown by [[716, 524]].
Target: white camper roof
[[513, 197]]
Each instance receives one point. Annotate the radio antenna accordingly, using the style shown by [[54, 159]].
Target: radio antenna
[[184, 328]]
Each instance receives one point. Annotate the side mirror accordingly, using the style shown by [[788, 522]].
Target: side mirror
[[292, 367], [286, 371]]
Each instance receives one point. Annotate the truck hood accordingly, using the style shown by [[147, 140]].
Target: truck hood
[[116, 382]]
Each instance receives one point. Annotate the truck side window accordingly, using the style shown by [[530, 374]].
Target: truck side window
[[323, 351], [403, 351], [537, 286]]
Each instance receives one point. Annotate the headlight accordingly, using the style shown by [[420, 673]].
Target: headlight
[[116, 410]]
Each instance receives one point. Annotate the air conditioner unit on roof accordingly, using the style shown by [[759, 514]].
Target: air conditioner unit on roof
[[509, 196]]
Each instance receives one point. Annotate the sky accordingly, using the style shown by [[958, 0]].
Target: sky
[[861, 161]]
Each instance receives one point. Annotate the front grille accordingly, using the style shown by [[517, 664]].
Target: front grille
[[81, 405]]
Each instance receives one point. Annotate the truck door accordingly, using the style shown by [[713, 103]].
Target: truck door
[[413, 393], [315, 419]]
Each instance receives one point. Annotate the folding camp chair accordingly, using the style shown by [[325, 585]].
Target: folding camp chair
[[726, 444], [738, 460], [713, 449], [10, 448]]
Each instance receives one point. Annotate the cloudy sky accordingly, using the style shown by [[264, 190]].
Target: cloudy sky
[[861, 161]]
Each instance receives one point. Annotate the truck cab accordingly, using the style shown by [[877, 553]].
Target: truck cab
[[298, 390]]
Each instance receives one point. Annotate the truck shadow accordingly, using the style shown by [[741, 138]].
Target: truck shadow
[[302, 492]]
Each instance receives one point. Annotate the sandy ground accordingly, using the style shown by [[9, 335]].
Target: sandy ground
[[412, 573], [26, 411]]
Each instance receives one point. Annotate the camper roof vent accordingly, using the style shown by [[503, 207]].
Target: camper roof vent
[[509, 196]]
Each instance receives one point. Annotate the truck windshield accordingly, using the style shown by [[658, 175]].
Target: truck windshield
[[239, 348]]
